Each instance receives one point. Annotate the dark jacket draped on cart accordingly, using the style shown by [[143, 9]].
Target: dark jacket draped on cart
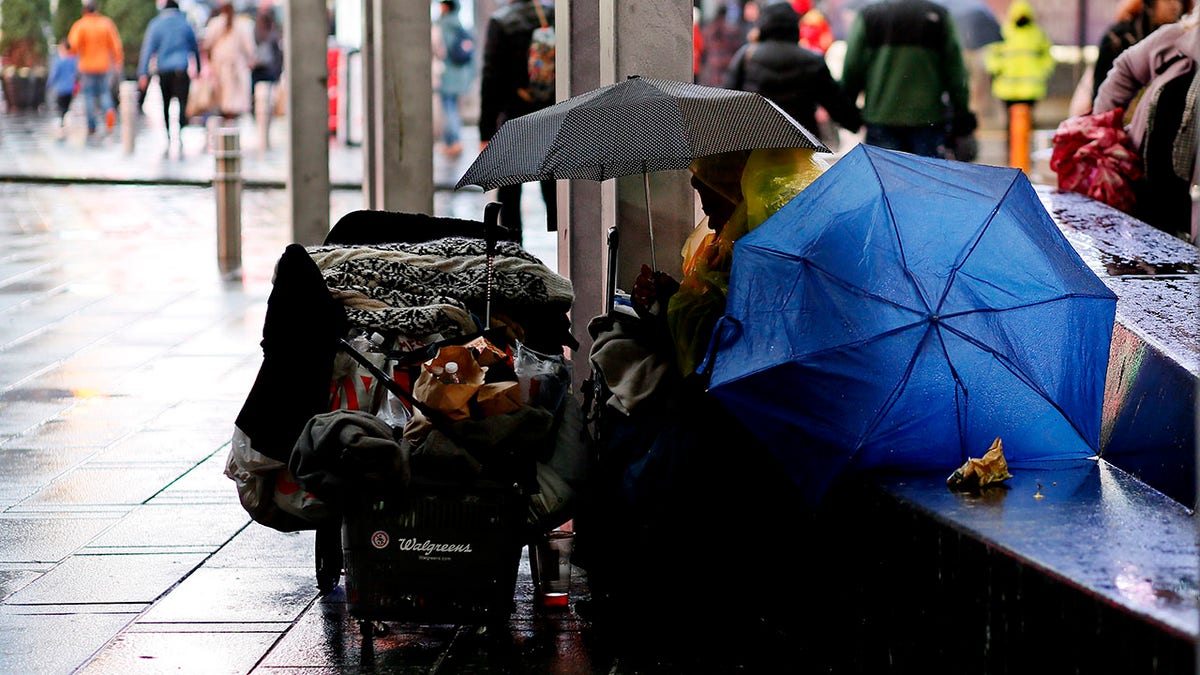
[[794, 78]]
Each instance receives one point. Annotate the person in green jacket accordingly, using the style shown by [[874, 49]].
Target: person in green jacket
[[904, 56], [1020, 64]]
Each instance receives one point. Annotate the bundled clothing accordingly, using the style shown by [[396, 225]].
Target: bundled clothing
[[1020, 64], [794, 78]]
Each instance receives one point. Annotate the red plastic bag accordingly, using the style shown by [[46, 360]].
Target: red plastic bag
[[1094, 156]]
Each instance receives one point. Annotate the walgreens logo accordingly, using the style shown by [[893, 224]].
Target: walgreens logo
[[429, 547]]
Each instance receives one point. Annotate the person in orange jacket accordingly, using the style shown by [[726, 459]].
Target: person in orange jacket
[[94, 38]]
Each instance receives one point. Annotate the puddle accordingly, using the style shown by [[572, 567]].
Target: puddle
[[1118, 266]]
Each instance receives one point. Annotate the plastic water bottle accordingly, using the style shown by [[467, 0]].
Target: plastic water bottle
[[451, 373]]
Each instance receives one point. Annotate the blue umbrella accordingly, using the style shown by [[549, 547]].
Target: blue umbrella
[[902, 312]]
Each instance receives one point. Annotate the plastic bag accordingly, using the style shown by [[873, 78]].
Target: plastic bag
[[544, 379]]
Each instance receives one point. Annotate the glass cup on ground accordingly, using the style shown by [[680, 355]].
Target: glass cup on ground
[[551, 567]]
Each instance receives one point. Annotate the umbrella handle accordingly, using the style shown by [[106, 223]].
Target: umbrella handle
[[614, 242], [491, 220], [718, 338]]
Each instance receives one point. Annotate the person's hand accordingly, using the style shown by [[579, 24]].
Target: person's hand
[[142, 82], [483, 145], [649, 288]]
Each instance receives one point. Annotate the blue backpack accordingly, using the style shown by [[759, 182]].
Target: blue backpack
[[460, 46]]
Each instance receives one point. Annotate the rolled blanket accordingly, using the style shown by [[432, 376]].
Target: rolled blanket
[[433, 287]]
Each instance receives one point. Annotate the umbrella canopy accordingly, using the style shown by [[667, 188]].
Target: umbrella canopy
[[640, 125], [974, 20], [902, 312]]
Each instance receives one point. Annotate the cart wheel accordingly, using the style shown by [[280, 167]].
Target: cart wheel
[[328, 554]]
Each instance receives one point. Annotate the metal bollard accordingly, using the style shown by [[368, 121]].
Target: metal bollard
[[227, 184], [128, 94], [262, 114]]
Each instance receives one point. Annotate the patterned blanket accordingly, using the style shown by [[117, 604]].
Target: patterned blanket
[[433, 287]]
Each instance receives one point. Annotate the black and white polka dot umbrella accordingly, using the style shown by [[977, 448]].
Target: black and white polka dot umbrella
[[640, 125]]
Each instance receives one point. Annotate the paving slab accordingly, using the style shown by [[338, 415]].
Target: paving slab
[[156, 525], [57, 641], [107, 579], [236, 595], [202, 653], [48, 538]]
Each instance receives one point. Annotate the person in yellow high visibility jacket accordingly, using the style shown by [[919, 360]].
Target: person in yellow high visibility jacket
[[1020, 64]]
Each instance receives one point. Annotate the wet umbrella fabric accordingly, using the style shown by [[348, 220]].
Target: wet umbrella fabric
[[640, 125], [902, 312], [974, 20]]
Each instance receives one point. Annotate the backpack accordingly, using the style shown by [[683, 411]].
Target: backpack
[[541, 61], [460, 46]]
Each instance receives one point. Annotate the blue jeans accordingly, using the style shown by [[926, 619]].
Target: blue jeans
[[451, 120], [925, 140], [96, 93]]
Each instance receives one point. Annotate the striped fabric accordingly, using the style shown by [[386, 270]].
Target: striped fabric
[[641, 125]]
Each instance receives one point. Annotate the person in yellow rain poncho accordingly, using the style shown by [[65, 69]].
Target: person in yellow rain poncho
[[738, 191], [1020, 64]]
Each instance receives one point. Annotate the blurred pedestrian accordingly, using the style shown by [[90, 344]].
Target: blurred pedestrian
[[229, 41], [455, 49], [1020, 64], [505, 93], [794, 78], [1138, 18], [1162, 70], [722, 39], [64, 81], [95, 40], [171, 44], [904, 57], [815, 32], [268, 47]]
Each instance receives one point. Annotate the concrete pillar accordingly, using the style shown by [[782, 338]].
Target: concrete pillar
[[370, 189], [399, 125], [652, 38], [584, 213], [306, 32]]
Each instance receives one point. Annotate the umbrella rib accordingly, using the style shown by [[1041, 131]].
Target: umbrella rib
[[996, 310], [892, 398], [867, 294], [912, 280], [974, 244], [1016, 372]]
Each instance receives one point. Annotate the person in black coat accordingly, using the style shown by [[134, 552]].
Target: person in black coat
[[502, 94], [794, 78]]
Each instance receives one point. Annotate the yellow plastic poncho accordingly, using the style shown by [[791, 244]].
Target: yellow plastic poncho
[[1020, 64], [769, 179]]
